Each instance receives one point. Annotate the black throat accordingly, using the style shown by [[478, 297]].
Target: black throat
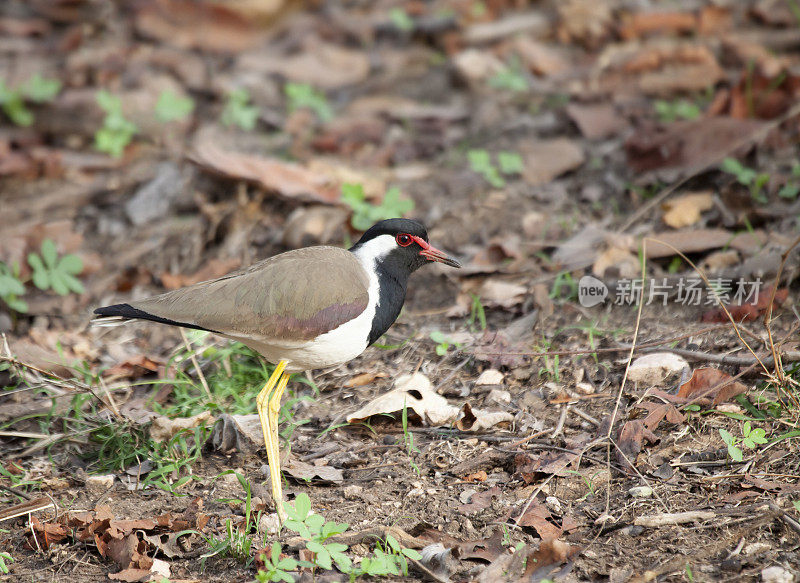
[[392, 285]]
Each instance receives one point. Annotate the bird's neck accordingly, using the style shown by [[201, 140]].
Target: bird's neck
[[391, 295]]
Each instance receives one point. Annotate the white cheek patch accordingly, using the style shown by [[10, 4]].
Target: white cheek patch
[[375, 249]]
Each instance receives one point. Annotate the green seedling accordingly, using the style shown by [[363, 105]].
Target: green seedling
[[276, 568], [37, 89], [11, 287], [791, 189], [52, 272], [366, 214], [117, 131], [401, 20], [564, 287], [754, 181], [443, 343], [750, 438], [5, 560], [172, 107], [317, 531], [239, 111], [510, 78], [388, 559], [670, 111], [477, 313], [304, 96], [510, 163]]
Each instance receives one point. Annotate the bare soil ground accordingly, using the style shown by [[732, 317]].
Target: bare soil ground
[[540, 142]]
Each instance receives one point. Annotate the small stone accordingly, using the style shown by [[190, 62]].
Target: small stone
[[653, 369], [467, 495], [641, 491], [269, 523], [756, 548], [154, 199], [490, 376], [584, 388], [99, 484], [777, 575], [352, 491], [415, 492], [729, 408], [498, 397], [553, 505]]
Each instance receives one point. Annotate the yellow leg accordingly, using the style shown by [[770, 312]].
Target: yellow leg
[[270, 438], [273, 415]]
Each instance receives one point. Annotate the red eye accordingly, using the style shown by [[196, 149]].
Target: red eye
[[404, 240]]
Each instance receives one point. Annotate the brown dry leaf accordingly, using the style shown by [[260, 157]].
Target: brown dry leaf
[[287, 179], [304, 471], [164, 428], [364, 378], [685, 210], [191, 24], [495, 292], [478, 420], [684, 147], [540, 58], [414, 392], [134, 367], [584, 21], [750, 311], [537, 515], [530, 469], [43, 534], [596, 120], [479, 476], [480, 501], [698, 240], [616, 262], [641, 24], [711, 385], [630, 443], [550, 553], [660, 411], [321, 64], [212, 269], [548, 159]]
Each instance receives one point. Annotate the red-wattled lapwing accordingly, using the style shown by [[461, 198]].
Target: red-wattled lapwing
[[304, 309]]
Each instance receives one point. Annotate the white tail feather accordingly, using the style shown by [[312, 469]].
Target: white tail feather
[[109, 321]]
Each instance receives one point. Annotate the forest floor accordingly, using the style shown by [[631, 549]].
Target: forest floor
[[527, 418]]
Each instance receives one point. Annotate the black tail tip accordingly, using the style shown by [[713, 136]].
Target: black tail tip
[[123, 310]]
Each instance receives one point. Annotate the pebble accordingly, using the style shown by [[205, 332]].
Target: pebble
[[553, 505], [352, 491], [499, 397], [269, 523], [641, 491], [467, 495], [99, 484], [490, 376], [777, 575]]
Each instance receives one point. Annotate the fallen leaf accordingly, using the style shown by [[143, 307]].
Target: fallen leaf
[[537, 516], [164, 428], [415, 392], [711, 385], [698, 240], [212, 269], [640, 24], [548, 159], [287, 179], [685, 210], [618, 263], [480, 420], [190, 24], [321, 64], [306, 472], [748, 311], [480, 476], [540, 58], [495, 292], [596, 120], [363, 379], [660, 411], [629, 443], [480, 501], [550, 553]]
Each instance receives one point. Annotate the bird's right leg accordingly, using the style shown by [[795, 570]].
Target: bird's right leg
[[273, 453]]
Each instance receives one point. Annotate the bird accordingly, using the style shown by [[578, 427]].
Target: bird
[[304, 309]]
